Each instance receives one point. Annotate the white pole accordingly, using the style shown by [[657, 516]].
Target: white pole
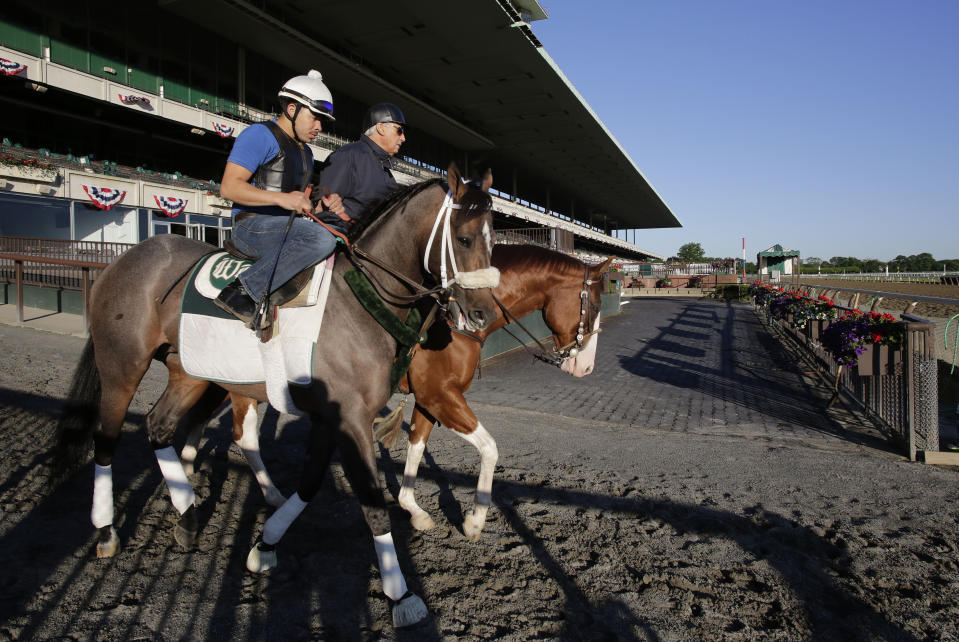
[[744, 260]]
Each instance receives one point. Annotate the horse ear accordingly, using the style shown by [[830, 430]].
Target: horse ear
[[455, 181], [598, 270], [487, 180]]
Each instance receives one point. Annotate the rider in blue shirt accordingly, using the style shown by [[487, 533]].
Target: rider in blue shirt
[[266, 177]]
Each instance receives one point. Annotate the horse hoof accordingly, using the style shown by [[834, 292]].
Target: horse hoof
[[107, 543], [422, 522], [186, 529], [260, 560], [274, 498], [409, 611], [473, 527]]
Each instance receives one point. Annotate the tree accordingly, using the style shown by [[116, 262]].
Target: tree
[[813, 260], [691, 253]]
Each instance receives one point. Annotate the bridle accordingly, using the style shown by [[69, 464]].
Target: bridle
[[584, 331], [485, 278], [557, 355]]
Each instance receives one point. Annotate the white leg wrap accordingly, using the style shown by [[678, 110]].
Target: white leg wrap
[[394, 584], [181, 492], [102, 513], [279, 521]]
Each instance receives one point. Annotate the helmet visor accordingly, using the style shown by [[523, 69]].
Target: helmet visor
[[318, 107]]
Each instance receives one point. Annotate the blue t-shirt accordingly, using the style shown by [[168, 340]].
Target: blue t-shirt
[[255, 146]]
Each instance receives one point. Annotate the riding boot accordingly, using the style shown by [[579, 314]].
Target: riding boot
[[234, 299]]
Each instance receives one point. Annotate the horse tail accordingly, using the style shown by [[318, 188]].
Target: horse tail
[[79, 418], [386, 429]]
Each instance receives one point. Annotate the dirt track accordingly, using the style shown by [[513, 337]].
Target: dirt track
[[599, 530], [924, 309]]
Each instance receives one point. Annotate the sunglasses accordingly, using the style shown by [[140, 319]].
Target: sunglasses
[[399, 129]]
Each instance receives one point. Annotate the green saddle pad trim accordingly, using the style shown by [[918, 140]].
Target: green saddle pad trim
[[406, 334]]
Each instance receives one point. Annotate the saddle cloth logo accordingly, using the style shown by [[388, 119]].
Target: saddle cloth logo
[[217, 272]]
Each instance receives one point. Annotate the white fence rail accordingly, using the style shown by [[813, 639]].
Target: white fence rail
[[909, 277]]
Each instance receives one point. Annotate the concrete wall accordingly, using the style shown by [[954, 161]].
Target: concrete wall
[[52, 299], [682, 281]]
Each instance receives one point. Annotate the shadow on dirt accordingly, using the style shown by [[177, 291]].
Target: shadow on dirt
[[325, 584]]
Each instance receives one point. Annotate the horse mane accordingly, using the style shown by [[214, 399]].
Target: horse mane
[[475, 201], [534, 257]]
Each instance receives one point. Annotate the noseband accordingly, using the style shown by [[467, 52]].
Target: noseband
[[486, 278]]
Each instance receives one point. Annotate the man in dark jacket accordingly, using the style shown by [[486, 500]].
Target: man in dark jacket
[[360, 172]]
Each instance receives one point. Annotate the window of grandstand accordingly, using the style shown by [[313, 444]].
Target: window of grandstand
[[34, 216]]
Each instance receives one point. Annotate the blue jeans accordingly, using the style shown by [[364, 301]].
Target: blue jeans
[[260, 236]]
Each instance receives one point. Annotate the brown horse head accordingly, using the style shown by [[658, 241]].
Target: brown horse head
[[578, 343]]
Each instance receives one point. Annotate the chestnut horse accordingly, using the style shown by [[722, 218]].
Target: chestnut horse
[[531, 278], [134, 318]]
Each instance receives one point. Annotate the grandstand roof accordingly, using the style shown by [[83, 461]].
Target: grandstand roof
[[471, 73]]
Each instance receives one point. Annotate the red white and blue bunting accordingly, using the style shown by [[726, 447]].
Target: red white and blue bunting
[[10, 68], [170, 205], [130, 99], [223, 131], [104, 197]]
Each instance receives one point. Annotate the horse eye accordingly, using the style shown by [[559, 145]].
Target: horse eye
[[465, 241]]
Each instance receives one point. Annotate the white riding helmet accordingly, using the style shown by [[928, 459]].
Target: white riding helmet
[[310, 92]]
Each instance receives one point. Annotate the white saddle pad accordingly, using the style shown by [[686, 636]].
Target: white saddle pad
[[217, 347]]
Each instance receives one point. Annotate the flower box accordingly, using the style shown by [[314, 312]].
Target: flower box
[[816, 326], [878, 360], [25, 172], [217, 201]]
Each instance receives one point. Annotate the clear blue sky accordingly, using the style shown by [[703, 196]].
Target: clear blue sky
[[831, 127]]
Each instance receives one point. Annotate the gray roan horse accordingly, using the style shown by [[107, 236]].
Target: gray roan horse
[[134, 318]]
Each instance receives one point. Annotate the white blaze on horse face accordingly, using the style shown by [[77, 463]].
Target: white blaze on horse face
[[582, 364], [488, 237]]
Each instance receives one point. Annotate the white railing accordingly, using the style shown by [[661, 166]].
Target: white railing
[[911, 277]]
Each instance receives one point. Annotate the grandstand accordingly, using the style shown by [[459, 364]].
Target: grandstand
[[117, 117]]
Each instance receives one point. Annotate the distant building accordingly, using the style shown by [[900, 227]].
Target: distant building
[[776, 262]]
